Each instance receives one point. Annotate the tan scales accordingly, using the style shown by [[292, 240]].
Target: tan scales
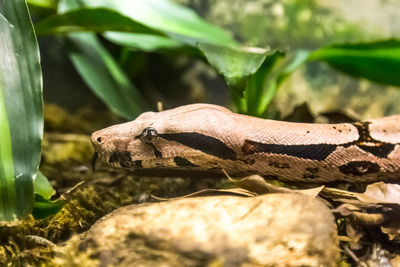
[[208, 138]]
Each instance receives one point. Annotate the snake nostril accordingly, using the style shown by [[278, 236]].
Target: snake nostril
[[98, 139]]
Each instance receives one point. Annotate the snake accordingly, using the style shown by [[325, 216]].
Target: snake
[[210, 139]]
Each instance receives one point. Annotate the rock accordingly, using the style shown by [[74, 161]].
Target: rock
[[268, 230]]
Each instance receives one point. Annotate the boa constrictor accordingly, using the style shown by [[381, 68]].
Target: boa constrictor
[[204, 137]]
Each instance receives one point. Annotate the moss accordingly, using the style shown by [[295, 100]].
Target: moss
[[21, 245], [67, 255]]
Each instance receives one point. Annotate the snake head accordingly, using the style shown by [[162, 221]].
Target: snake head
[[121, 145], [167, 139]]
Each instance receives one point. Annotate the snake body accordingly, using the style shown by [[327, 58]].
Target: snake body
[[209, 138]]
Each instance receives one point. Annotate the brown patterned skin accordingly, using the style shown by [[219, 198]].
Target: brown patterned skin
[[204, 137]]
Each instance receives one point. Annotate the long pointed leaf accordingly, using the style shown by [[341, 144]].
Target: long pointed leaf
[[101, 72], [7, 186], [142, 42], [164, 15], [21, 101], [103, 75], [377, 61], [90, 19]]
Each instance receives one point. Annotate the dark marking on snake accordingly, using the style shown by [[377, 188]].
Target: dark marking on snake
[[308, 175], [381, 150], [248, 161], [311, 172], [279, 165], [313, 151], [182, 162], [363, 131], [137, 164], [207, 144], [271, 177], [157, 152], [359, 168], [123, 158], [369, 144], [322, 151], [312, 169]]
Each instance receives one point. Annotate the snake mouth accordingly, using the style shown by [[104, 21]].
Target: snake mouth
[[94, 159]]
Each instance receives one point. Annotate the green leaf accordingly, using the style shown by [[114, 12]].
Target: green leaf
[[48, 4], [177, 21], [143, 42], [100, 71], [42, 186], [7, 186], [377, 61], [21, 115], [236, 64], [90, 19], [44, 207], [262, 86], [253, 73], [279, 67], [104, 76]]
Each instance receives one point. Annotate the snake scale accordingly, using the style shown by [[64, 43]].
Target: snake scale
[[209, 138]]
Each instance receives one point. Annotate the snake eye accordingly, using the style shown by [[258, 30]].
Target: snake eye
[[149, 135]]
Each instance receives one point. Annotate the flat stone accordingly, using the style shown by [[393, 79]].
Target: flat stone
[[268, 230]]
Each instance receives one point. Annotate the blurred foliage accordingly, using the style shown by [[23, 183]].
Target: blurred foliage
[[161, 24], [236, 64], [90, 19], [378, 61], [253, 74], [287, 24]]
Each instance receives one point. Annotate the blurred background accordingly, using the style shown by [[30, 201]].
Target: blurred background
[[176, 77]]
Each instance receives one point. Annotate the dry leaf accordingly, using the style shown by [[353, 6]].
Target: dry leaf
[[257, 184], [378, 206], [395, 261], [344, 238], [354, 233], [212, 192], [392, 229], [368, 218], [346, 209], [381, 193], [312, 192], [359, 216], [337, 194], [67, 195]]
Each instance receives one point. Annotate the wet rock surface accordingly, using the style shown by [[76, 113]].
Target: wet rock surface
[[269, 230]]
